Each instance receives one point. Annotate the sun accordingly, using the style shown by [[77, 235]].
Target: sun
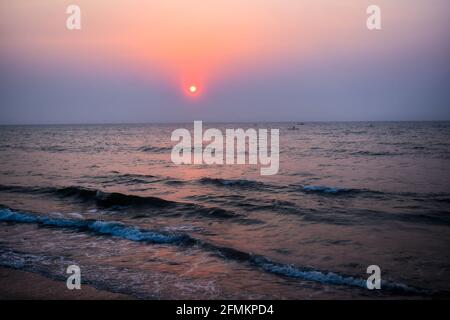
[[193, 89]]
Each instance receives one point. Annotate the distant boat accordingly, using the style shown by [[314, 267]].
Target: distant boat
[[293, 128]]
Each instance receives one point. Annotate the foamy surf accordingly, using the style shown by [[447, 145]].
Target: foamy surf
[[115, 229], [132, 233]]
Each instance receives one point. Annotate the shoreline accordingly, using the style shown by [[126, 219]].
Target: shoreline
[[23, 285]]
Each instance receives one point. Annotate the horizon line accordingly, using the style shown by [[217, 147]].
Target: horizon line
[[217, 122]]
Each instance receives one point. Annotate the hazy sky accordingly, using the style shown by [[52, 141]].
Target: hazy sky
[[253, 60]]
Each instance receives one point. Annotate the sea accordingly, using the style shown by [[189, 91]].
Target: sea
[[348, 195]]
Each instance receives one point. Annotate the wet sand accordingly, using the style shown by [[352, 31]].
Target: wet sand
[[21, 285]]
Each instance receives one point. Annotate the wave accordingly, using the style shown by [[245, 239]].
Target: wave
[[130, 179], [440, 197], [327, 190], [243, 183], [57, 148], [109, 199], [376, 154], [155, 149], [127, 178], [116, 199], [331, 277], [101, 198], [131, 233], [101, 227]]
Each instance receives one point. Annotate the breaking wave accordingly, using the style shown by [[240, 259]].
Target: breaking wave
[[116, 199], [101, 227], [101, 198], [132, 233]]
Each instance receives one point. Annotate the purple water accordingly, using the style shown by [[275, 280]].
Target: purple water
[[348, 195]]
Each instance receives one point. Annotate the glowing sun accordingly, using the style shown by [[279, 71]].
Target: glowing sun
[[193, 89]]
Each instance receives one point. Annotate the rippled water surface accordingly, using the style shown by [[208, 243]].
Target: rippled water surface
[[348, 195]]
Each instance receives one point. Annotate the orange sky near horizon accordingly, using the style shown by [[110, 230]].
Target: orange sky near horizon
[[194, 42]]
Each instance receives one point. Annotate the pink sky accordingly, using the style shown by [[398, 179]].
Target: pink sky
[[216, 43], [201, 39]]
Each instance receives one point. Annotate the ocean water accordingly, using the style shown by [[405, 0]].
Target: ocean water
[[347, 196]]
